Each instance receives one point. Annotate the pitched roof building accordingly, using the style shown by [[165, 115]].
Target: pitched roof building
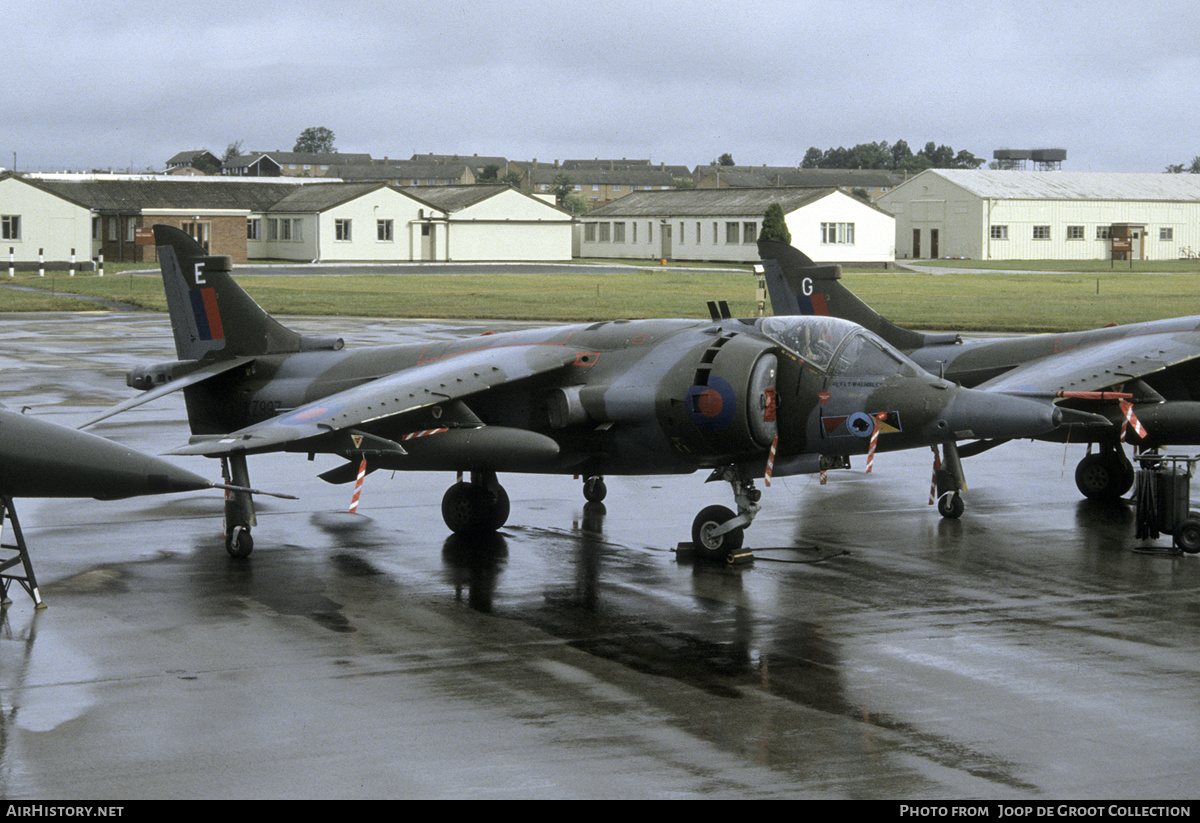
[[80, 217], [723, 224], [873, 182], [1045, 215], [290, 164]]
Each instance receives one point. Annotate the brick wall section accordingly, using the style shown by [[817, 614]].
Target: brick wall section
[[227, 235]]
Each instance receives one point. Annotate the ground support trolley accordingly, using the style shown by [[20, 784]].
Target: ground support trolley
[[1163, 495]]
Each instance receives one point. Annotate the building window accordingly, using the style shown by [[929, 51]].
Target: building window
[[589, 232], [749, 232], [634, 224], [733, 233], [341, 230], [253, 228], [616, 187], [605, 232], [273, 228], [650, 232], [999, 232], [1104, 232], [1166, 233], [618, 232], [383, 230], [1075, 233], [10, 227], [837, 234], [1041, 232], [715, 237]]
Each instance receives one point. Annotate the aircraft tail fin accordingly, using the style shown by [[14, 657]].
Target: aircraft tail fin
[[212, 316], [797, 285]]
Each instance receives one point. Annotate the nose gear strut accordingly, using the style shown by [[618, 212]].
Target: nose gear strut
[[717, 532]]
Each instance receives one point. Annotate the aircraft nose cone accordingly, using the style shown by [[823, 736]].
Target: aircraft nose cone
[[41, 459], [988, 416]]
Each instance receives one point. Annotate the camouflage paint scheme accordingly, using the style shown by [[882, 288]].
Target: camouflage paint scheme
[[1154, 365], [613, 397]]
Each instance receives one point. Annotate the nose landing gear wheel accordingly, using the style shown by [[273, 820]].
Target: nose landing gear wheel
[[720, 546]]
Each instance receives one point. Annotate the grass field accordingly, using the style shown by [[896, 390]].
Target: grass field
[[1002, 299]]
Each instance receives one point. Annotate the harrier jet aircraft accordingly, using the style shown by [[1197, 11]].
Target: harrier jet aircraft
[[743, 398], [1148, 372], [41, 459]]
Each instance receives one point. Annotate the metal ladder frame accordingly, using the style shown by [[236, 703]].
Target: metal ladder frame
[[27, 580]]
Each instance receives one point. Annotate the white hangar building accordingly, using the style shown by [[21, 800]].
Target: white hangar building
[[1045, 215], [828, 225], [355, 222]]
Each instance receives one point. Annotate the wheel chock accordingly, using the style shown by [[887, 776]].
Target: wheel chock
[[687, 551]]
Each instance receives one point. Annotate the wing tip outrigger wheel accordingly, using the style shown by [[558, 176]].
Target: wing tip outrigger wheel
[[238, 542]]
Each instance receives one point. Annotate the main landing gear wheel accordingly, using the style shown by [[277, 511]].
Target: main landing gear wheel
[[1105, 476], [951, 506], [720, 546], [238, 542], [474, 508], [594, 490]]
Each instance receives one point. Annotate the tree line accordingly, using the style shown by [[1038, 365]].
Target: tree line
[[1185, 168], [897, 157]]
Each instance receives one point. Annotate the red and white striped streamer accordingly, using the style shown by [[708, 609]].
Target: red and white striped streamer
[[1130, 420], [358, 484], [771, 460], [425, 433], [879, 418]]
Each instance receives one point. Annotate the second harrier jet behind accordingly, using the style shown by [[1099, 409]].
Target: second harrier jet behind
[[742, 398]]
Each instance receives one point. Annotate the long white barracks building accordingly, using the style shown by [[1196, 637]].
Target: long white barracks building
[[1045, 215]]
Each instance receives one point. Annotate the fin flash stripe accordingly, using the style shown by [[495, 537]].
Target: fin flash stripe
[[208, 316], [814, 304]]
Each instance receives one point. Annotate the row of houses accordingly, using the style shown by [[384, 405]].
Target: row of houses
[[596, 181], [938, 213]]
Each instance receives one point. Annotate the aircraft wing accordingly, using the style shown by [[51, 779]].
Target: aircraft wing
[[428, 384], [190, 379], [1098, 365]]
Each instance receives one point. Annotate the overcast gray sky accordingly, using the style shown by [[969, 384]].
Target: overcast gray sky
[[127, 85]]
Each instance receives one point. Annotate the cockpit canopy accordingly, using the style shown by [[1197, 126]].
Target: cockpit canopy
[[836, 346]]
